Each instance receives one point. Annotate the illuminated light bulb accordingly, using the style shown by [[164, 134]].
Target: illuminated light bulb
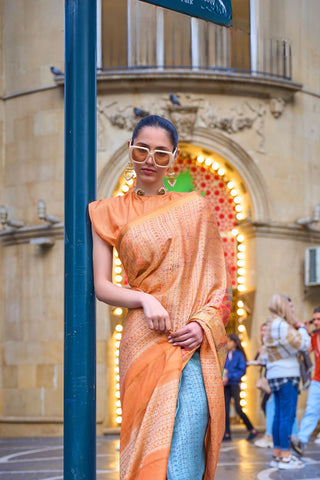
[[115, 252], [244, 378], [241, 288], [119, 411], [240, 279], [118, 420], [239, 216], [241, 248], [117, 394], [116, 361], [118, 278], [200, 159], [237, 199], [117, 311], [208, 161], [230, 185], [240, 255], [117, 386], [243, 402], [118, 378], [130, 182], [116, 353], [119, 327], [118, 269], [240, 238], [221, 171], [241, 328], [234, 232], [116, 369], [241, 271], [117, 344], [118, 403], [118, 336], [243, 394], [234, 192], [241, 263], [238, 208], [243, 385], [125, 188], [120, 194], [240, 304], [244, 410], [244, 344], [215, 166], [240, 312], [117, 261]]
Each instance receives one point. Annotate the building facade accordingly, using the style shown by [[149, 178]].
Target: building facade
[[249, 103]]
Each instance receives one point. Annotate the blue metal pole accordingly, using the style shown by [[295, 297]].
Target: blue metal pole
[[80, 175]]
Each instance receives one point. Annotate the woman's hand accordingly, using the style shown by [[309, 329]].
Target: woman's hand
[[188, 337], [157, 317]]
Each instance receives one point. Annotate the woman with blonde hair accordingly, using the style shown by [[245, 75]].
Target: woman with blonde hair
[[285, 336]]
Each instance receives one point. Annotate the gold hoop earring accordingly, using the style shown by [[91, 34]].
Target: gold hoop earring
[[171, 177], [128, 174]]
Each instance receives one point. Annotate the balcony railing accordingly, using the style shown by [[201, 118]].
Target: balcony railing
[[200, 47]]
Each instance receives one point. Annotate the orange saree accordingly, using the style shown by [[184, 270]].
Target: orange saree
[[170, 247]]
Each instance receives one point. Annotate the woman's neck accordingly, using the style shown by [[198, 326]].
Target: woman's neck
[[149, 190]]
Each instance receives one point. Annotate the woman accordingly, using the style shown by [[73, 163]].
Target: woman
[[173, 345], [235, 368], [284, 338]]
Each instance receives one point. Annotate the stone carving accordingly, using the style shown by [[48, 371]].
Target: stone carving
[[277, 106], [184, 119], [193, 111], [237, 119]]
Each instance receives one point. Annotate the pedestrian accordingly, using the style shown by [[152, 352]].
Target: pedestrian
[[312, 413], [268, 401], [284, 338], [266, 440], [235, 368], [173, 345]]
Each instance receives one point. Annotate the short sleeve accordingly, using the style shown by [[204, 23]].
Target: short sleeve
[[104, 220]]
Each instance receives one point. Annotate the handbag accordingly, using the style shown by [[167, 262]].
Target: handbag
[[306, 366], [263, 384]]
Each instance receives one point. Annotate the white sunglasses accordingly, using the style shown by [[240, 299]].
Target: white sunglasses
[[161, 158]]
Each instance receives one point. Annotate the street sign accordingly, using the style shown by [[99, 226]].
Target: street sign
[[216, 11]]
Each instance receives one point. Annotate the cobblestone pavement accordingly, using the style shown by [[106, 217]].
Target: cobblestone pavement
[[41, 459]]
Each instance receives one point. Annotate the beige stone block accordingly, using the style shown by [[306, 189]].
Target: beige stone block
[[26, 376], [52, 353], [101, 351], [46, 376], [9, 376], [20, 353], [53, 403], [46, 123], [13, 402]]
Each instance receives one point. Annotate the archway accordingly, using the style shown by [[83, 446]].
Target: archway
[[217, 171]]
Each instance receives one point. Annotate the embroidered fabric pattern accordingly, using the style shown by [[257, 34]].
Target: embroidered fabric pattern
[[162, 242]]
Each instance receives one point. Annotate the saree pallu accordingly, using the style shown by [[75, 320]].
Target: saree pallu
[[170, 247]]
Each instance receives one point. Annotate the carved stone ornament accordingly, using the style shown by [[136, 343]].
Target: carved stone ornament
[[277, 106], [235, 120], [194, 111], [184, 118]]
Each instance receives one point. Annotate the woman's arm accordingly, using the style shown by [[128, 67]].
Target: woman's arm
[[156, 316]]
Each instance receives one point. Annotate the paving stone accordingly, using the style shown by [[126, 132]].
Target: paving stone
[[42, 459]]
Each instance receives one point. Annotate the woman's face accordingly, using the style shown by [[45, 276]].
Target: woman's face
[[263, 332], [231, 345], [291, 306], [148, 173]]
